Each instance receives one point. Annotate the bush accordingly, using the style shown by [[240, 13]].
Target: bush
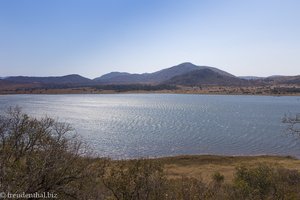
[[265, 182], [135, 179], [186, 189], [218, 178]]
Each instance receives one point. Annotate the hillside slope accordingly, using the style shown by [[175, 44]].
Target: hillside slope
[[205, 77]]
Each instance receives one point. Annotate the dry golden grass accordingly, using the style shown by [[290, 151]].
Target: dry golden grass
[[204, 166]]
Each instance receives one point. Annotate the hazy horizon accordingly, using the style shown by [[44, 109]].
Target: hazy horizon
[[92, 38]]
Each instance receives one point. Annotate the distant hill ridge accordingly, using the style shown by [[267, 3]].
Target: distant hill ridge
[[155, 77], [68, 79], [186, 74]]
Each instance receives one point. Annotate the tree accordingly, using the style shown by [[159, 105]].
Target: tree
[[39, 155]]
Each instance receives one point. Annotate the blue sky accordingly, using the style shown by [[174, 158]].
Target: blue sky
[[93, 37]]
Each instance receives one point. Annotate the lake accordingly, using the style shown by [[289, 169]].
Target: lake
[[155, 125]]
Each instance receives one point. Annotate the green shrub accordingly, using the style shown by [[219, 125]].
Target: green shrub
[[266, 182], [218, 178], [135, 179]]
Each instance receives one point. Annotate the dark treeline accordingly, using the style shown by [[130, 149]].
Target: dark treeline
[[135, 87], [285, 90], [116, 88]]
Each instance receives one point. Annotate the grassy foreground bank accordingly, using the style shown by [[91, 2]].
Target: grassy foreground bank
[[42, 156], [204, 166]]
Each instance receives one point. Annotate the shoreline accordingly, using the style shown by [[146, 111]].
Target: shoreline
[[203, 156], [148, 92], [263, 90]]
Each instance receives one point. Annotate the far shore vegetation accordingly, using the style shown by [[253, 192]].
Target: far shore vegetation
[[43, 155], [277, 90]]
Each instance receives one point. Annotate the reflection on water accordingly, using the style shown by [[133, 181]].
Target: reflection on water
[[143, 125]]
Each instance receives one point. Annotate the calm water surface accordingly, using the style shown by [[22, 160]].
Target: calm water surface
[[150, 125]]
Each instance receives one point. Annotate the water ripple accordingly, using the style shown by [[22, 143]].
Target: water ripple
[[142, 125]]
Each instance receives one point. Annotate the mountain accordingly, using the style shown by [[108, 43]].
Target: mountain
[[69, 79], [206, 76], [166, 74], [122, 78], [283, 80], [155, 77], [111, 75], [186, 74]]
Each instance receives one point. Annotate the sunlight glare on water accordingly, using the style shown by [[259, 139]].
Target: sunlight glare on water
[[151, 125]]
